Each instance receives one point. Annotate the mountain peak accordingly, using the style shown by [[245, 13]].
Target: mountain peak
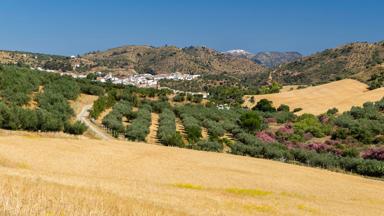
[[238, 52]]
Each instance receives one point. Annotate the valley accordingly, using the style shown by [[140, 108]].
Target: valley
[[198, 108], [215, 144]]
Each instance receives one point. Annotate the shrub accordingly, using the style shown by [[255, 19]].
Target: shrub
[[206, 145], [332, 111], [371, 168], [251, 121], [340, 133], [266, 137], [350, 152], [283, 108], [76, 128], [374, 153], [264, 105], [297, 110], [283, 117], [309, 123]]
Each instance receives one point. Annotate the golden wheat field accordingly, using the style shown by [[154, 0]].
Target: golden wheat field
[[341, 94], [82, 176]]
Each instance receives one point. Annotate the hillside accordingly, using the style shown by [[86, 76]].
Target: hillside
[[156, 60], [46, 61], [267, 59], [274, 59], [355, 60], [341, 94], [38, 175]]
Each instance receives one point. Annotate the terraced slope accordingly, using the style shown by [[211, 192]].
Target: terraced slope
[[53, 176], [341, 94]]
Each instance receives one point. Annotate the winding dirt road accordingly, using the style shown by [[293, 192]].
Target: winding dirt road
[[83, 117]]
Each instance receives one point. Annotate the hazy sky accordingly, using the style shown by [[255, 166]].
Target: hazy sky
[[78, 26]]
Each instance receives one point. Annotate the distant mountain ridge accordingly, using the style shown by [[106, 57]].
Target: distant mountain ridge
[[268, 59]]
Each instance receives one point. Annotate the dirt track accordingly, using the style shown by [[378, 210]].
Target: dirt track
[[83, 117]]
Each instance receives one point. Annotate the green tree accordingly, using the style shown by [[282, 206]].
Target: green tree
[[251, 121], [264, 105]]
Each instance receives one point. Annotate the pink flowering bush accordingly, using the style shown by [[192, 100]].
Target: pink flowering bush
[[266, 137], [374, 153], [324, 119], [323, 147], [317, 146], [286, 129], [283, 133], [332, 142]]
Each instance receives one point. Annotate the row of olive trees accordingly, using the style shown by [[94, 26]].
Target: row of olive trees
[[113, 120], [139, 127], [167, 133]]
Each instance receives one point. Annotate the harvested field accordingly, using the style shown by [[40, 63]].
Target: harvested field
[[341, 94], [55, 176]]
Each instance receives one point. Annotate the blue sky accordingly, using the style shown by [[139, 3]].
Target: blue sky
[[75, 27]]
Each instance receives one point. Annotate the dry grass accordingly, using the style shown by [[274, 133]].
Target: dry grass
[[180, 128], [152, 135], [341, 94], [33, 196], [93, 177]]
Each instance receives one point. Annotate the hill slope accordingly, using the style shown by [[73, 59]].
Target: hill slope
[[355, 60], [117, 178], [167, 59], [274, 59], [341, 94]]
